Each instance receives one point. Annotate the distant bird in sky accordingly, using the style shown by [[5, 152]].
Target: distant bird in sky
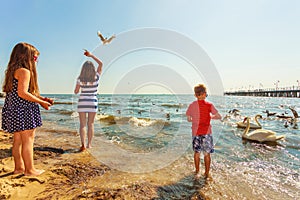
[[104, 39]]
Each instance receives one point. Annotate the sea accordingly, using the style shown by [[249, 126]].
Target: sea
[[142, 134]]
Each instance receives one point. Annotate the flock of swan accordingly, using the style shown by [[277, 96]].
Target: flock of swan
[[259, 134]]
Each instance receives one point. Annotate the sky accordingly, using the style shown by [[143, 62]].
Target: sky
[[250, 43]]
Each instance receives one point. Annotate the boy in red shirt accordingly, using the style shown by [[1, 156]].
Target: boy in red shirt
[[200, 112]]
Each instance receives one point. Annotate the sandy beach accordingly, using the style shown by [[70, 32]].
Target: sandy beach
[[71, 174]]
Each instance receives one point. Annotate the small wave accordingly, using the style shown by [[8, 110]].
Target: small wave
[[145, 122], [107, 118], [74, 114], [107, 104], [115, 139], [173, 105], [66, 112], [137, 122], [63, 103], [58, 130], [136, 100], [140, 122]]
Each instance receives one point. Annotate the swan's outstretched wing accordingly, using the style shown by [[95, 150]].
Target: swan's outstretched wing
[[101, 36], [110, 39]]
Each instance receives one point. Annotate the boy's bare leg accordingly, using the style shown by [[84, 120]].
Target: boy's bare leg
[[207, 164], [197, 161]]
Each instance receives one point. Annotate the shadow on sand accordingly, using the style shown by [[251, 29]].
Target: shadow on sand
[[186, 188]]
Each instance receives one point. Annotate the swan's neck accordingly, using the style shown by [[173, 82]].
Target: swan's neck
[[257, 121], [247, 128]]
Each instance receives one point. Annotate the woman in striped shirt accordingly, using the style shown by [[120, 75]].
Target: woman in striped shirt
[[87, 84]]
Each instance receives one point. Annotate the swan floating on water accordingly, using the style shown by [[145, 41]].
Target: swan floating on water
[[243, 124], [260, 135]]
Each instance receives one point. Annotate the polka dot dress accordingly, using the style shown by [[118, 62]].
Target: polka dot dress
[[19, 114]]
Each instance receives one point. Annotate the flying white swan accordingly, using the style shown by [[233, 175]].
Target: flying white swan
[[260, 135], [243, 124], [104, 39]]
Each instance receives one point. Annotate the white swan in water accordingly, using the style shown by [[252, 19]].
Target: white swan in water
[[243, 124], [260, 135]]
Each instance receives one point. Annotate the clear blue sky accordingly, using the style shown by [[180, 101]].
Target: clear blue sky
[[251, 42]]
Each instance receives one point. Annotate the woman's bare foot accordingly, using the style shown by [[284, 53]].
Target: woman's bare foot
[[18, 171], [35, 172], [82, 148]]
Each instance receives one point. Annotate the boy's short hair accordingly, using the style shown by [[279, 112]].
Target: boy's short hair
[[199, 89]]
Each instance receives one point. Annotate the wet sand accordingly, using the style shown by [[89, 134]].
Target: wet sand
[[70, 174]]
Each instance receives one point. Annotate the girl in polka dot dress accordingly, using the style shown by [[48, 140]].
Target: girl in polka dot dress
[[20, 113]]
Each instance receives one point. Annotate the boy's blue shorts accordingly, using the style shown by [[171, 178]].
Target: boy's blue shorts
[[203, 143]]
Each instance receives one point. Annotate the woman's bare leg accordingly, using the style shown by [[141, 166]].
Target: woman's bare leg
[[17, 153], [82, 120], [91, 119], [27, 138]]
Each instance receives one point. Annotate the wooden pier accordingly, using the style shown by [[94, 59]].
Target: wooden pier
[[293, 92]]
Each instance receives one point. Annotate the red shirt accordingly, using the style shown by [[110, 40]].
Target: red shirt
[[201, 111]]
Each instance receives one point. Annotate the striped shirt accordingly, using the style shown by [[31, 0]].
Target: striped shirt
[[88, 101]]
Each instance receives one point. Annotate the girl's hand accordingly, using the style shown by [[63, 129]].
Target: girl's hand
[[45, 104], [51, 101], [87, 53]]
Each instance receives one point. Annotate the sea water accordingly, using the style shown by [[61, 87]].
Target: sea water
[[140, 134]]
